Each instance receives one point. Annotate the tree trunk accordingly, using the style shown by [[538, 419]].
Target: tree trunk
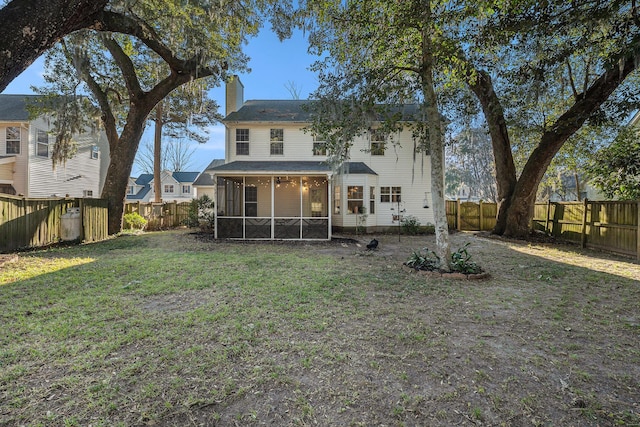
[[436, 146], [157, 154], [28, 28], [516, 209], [482, 86], [122, 156]]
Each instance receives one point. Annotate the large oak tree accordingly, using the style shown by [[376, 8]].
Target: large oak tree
[[511, 62], [194, 40]]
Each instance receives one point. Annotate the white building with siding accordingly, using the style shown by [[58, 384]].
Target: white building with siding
[[25, 156], [275, 182]]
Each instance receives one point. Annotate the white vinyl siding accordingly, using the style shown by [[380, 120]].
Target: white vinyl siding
[[77, 176]]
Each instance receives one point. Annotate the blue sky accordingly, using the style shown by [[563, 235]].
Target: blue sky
[[273, 65]]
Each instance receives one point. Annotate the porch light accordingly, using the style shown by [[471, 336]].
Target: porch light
[[278, 180]]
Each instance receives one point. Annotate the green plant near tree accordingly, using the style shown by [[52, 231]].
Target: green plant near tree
[[426, 259]]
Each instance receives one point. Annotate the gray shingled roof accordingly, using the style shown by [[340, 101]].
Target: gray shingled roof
[[291, 110], [185, 176], [289, 166], [13, 107], [271, 111], [205, 179]]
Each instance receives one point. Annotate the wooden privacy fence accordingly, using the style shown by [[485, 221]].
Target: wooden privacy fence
[[29, 223], [612, 226], [160, 215], [471, 216], [607, 225]]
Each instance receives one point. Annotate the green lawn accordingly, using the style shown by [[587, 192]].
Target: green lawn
[[177, 329]]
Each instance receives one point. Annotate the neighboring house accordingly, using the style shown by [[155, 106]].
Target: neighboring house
[[175, 187], [25, 156], [564, 190], [464, 193], [275, 182]]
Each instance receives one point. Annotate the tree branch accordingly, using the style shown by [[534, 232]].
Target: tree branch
[[81, 64], [126, 66]]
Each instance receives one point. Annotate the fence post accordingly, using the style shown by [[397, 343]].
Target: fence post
[[638, 240], [546, 224], [583, 230], [458, 227], [481, 216]]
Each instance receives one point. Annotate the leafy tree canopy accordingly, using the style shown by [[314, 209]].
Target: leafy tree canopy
[[142, 52], [615, 169]]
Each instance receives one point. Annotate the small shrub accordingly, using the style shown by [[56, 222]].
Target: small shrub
[[423, 261], [410, 225], [428, 260], [134, 220], [201, 213], [461, 262]]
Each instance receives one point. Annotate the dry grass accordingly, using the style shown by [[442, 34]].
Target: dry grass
[[176, 329]]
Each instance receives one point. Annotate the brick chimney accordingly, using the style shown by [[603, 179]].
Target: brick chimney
[[234, 95]]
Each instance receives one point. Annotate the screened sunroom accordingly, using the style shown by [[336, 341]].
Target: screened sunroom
[[288, 203]]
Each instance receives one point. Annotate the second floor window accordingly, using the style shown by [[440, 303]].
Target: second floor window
[[377, 142], [42, 143], [390, 194], [168, 188], [319, 147], [186, 189], [131, 190], [13, 140], [277, 142], [242, 142]]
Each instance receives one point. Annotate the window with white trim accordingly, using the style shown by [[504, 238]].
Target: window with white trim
[[168, 188], [13, 140], [131, 190], [336, 199], [390, 194], [42, 143], [378, 141], [276, 142], [319, 146], [372, 200], [95, 152], [186, 189], [87, 193], [355, 199], [242, 142]]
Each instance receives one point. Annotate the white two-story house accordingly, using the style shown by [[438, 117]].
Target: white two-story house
[[175, 187], [25, 156], [275, 182]]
